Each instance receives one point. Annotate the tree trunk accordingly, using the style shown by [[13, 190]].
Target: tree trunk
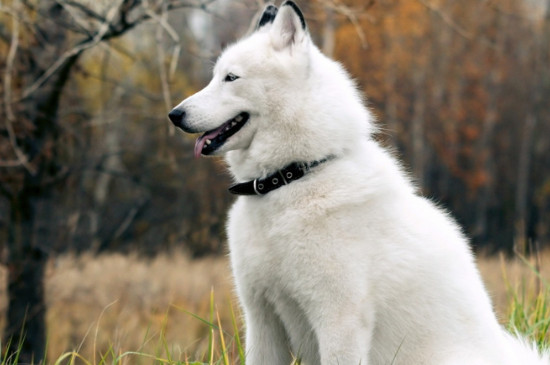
[[484, 148], [27, 257], [522, 191], [390, 83], [25, 322], [45, 59], [417, 130], [328, 32]]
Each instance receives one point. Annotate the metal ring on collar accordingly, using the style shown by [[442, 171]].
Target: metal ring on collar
[[254, 185]]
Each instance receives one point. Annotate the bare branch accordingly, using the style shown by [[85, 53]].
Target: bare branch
[[163, 24], [116, 82], [60, 21], [197, 4], [499, 9], [78, 19], [129, 219], [10, 163], [100, 35], [162, 19], [10, 116], [107, 30], [352, 14], [20, 17], [454, 26], [164, 73], [87, 11], [447, 19]]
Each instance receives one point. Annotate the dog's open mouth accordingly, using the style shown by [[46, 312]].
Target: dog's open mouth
[[214, 139]]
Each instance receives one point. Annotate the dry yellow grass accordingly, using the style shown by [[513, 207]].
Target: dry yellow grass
[[95, 303], [128, 303], [500, 274]]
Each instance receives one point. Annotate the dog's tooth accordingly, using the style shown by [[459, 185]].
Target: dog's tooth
[[233, 124], [207, 142], [238, 118]]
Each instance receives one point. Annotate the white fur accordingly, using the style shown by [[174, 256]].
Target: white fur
[[348, 265]]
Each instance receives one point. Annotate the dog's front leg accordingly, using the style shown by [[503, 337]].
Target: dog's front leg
[[266, 340]]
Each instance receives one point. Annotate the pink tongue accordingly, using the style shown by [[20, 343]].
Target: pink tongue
[[201, 141]]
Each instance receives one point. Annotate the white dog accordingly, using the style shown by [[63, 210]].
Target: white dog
[[337, 259]]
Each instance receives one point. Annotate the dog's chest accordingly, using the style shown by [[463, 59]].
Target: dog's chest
[[274, 246], [265, 238], [295, 250]]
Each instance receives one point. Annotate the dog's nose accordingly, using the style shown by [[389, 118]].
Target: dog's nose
[[177, 116]]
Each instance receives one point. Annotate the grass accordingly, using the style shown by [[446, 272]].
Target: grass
[[120, 310], [224, 348], [529, 310]]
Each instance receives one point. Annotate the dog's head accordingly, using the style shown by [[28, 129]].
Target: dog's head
[[263, 97]]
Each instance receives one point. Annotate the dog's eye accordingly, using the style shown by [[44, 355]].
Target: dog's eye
[[230, 77]]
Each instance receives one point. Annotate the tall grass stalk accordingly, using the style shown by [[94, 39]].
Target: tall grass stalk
[[529, 308]]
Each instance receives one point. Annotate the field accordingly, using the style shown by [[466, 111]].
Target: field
[[102, 307]]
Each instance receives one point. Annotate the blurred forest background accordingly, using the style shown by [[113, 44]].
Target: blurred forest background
[[89, 162]]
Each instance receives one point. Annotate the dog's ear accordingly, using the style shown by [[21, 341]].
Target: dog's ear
[[268, 16], [289, 26]]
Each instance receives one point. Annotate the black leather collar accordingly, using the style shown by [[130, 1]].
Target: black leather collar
[[286, 175]]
